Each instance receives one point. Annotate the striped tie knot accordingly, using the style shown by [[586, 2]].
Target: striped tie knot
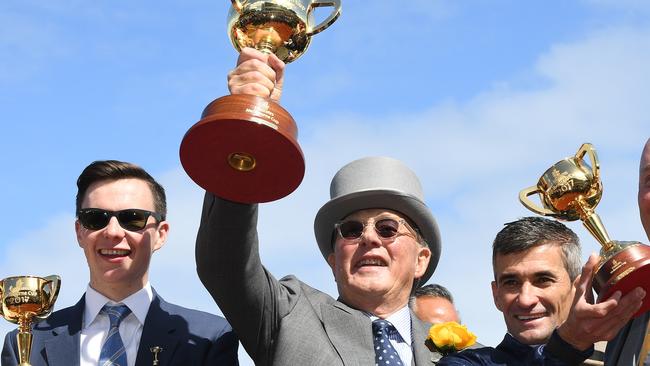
[[116, 314]]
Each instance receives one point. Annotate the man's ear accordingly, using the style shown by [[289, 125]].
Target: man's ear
[[331, 260], [495, 296], [77, 230], [422, 261], [162, 231]]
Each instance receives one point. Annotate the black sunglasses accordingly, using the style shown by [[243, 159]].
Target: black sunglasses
[[131, 219], [385, 228]]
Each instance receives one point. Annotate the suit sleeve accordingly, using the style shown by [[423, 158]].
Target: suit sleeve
[[228, 264], [224, 349], [9, 355]]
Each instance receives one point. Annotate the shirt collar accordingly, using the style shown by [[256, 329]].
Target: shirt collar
[[137, 302], [401, 320]]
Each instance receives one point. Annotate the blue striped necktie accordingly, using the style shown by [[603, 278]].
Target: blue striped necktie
[[113, 352], [385, 354]]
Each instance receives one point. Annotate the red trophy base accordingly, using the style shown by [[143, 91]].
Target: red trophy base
[[244, 149], [625, 271]]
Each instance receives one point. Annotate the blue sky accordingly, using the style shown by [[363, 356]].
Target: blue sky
[[478, 97]]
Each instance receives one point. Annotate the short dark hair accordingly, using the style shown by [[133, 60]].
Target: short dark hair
[[529, 232], [434, 290], [114, 170]]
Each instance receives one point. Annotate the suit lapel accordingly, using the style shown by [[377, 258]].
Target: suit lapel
[[421, 354], [158, 331], [62, 349], [350, 332]]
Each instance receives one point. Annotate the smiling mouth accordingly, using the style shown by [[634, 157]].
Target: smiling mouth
[[374, 262], [526, 318], [114, 252]]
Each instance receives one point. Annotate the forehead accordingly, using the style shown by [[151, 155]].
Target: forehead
[[119, 194], [540, 258], [363, 215], [434, 302]]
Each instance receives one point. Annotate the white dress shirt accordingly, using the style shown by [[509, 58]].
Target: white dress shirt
[[400, 340], [94, 326]]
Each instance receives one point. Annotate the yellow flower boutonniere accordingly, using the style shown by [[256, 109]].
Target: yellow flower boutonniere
[[449, 337]]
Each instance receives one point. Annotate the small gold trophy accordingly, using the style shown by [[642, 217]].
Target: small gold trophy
[[26, 299], [570, 190], [245, 148]]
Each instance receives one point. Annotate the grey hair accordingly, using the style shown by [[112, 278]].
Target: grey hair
[[529, 232]]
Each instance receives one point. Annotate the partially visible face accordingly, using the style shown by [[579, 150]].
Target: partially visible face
[[118, 259], [644, 188], [533, 291], [434, 310], [370, 268]]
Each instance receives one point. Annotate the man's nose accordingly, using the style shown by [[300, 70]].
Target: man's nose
[[527, 295], [113, 229], [369, 235]]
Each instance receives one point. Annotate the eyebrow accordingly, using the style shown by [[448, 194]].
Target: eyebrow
[[509, 276]]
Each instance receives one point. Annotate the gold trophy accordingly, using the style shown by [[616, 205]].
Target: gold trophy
[[570, 190], [244, 148], [26, 299]]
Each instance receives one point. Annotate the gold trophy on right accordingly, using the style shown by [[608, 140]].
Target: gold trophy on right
[[570, 190]]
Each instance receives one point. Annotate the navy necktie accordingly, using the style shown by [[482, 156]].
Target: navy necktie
[[113, 352], [385, 354]]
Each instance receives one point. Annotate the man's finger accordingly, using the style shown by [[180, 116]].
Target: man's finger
[[248, 53]]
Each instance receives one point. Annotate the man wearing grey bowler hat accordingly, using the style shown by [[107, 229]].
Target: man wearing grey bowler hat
[[380, 240]]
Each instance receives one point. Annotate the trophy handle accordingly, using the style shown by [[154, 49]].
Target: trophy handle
[[236, 5], [54, 282], [336, 4], [589, 149], [523, 198]]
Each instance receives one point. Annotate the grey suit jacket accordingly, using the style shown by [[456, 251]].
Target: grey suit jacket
[[283, 322], [188, 337]]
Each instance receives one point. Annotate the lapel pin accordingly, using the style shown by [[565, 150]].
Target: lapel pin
[[155, 350]]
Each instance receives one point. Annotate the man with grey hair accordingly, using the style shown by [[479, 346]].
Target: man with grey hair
[[433, 303], [544, 299]]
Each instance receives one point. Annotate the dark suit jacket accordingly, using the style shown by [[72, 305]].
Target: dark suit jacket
[[188, 337], [625, 348], [283, 322], [511, 352]]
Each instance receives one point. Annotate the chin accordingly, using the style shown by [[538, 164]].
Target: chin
[[534, 337]]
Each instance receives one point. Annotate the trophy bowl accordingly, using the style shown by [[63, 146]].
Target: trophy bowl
[[570, 190], [245, 148], [26, 299]]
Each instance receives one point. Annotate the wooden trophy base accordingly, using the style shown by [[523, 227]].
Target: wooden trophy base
[[244, 149], [624, 271]]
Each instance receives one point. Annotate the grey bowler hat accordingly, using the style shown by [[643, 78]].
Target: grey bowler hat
[[377, 182]]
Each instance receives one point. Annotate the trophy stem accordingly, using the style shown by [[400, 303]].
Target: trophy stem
[[595, 226], [267, 40], [24, 346]]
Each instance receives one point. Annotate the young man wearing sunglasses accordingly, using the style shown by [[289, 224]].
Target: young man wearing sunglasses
[[120, 320]]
